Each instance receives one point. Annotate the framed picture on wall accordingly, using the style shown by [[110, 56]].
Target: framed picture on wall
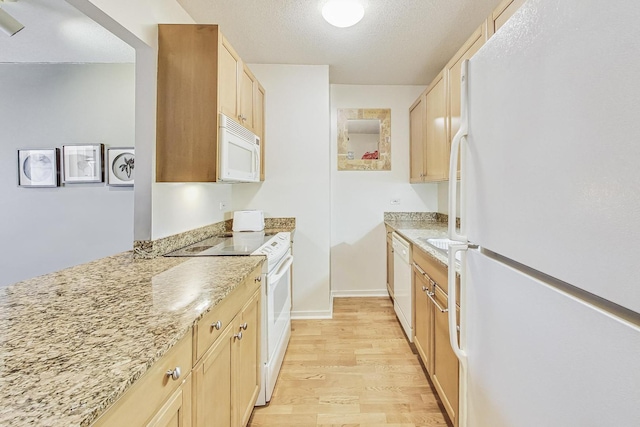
[[120, 163], [82, 163], [38, 168]]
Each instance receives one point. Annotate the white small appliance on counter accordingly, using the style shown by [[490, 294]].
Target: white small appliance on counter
[[248, 221], [239, 152]]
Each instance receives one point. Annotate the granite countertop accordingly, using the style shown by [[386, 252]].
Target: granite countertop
[[416, 228], [73, 341]]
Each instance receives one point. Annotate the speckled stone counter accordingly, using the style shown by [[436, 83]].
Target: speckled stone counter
[[149, 249], [73, 341], [419, 226]]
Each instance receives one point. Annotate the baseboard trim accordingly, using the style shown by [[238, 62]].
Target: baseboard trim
[[356, 293], [306, 315]]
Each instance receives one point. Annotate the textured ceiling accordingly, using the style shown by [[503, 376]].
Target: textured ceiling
[[57, 32], [397, 41]]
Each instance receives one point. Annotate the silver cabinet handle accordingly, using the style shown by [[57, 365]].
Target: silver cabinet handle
[[174, 373], [421, 271], [424, 289], [217, 325], [244, 326], [238, 335], [259, 279], [430, 295]]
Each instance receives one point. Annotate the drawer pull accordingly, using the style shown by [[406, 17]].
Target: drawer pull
[[244, 326], [217, 325], [424, 289], [174, 373], [238, 336], [259, 279]]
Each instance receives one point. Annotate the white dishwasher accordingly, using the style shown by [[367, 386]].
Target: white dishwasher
[[402, 283]]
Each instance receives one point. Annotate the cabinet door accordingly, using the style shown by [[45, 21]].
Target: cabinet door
[[417, 115], [228, 68], [445, 363], [213, 383], [436, 131], [246, 360], [454, 70], [260, 123], [424, 319], [246, 114], [502, 13], [176, 412], [389, 264]]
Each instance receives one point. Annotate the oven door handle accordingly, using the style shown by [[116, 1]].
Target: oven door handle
[[284, 266]]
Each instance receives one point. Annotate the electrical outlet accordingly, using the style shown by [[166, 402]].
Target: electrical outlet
[[223, 205], [395, 200]]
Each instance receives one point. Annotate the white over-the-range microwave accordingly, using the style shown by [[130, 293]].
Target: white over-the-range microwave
[[239, 151]]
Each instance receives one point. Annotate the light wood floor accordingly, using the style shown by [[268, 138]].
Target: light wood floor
[[356, 369]]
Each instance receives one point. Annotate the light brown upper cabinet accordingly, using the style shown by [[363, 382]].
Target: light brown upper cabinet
[[435, 115], [428, 134], [501, 14], [230, 66], [199, 76], [259, 123], [453, 71], [417, 114]]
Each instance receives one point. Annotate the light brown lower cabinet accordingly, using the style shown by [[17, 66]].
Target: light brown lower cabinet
[[423, 329], [176, 412], [245, 359], [222, 387], [445, 375], [212, 385], [432, 329], [227, 378]]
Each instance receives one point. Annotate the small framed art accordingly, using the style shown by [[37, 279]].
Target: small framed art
[[38, 168], [121, 162], [82, 163]]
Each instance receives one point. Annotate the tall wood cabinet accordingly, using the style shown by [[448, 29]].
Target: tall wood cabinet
[[428, 134], [199, 76]]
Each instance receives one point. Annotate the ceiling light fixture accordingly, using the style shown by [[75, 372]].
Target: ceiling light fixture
[[342, 13], [8, 24]]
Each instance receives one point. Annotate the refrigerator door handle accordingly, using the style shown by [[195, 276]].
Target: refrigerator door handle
[[451, 303], [453, 159], [460, 353]]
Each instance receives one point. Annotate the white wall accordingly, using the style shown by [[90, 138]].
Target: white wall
[[160, 209], [443, 198], [45, 106], [359, 198], [297, 175]]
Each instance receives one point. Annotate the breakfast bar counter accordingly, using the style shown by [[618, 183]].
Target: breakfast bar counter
[[72, 342]]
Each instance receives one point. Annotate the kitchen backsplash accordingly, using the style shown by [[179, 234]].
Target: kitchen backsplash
[[148, 249], [419, 216]]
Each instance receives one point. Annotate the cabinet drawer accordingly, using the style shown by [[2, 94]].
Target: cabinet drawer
[[141, 401], [207, 330], [435, 270]]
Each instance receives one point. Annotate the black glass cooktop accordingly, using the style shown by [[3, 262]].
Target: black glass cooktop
[[240, 243]]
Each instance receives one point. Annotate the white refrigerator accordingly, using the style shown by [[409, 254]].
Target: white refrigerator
[[549, 329]]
